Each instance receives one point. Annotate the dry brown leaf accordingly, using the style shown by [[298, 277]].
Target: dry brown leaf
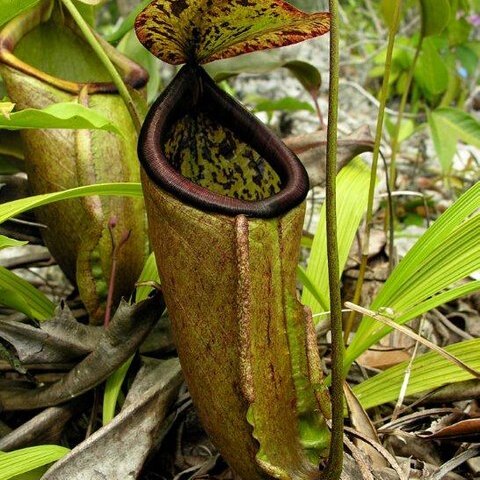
[[118, 450], [362, 423], [311, 148], [465, 431], [59, 340], [128, 328]]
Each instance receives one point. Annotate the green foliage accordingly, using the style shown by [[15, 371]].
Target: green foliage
[[59, 115], [352, 191], [10, 242], [435, 16], [286, 104], [17, 293], [431, 73], [28, 459], [11, 8], [428, 371], [447, 127], [426, 277], [12, 209], [447, 57]]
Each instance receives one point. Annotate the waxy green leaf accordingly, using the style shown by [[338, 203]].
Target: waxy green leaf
[[11, 209], [192, 31], [59, 115]]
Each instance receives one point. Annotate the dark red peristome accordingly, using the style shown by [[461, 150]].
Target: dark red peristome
[[192, 87]]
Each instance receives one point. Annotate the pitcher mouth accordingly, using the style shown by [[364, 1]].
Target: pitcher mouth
[[193, 90], [13, 32]]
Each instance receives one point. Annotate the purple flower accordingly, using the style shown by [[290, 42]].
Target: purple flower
[[474, 19]]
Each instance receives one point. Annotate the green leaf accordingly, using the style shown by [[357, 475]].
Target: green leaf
[[446, 253], [128, 23], [59, 115], [428, 371], [387, 9], [202, 31], [115, 381], [149, 274], [11, 209], [458, 31], [11, 8], [445, 144], [315, 291], [17, 293], [352, 194], [112, 390], [266, 61], [27, 459], [435, 16], [261, 62], [287, 104], [452, 125], [308, 75], [431, 72], [468, 57], [6, 242]]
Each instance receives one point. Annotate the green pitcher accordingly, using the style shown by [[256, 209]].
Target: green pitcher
[[225, 204], [45, 60]]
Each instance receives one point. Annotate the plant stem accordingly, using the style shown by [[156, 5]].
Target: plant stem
[[373, 173], [334, 466], [116, 247], [100, 52]]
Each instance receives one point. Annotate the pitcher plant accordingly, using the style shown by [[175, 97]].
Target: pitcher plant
[[225, 204], [45, 60]]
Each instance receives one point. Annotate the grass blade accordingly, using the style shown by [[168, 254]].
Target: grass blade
[[448, 252], [11, 209], [428, 371], [25, 460], [352, 192], [17, 293]]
